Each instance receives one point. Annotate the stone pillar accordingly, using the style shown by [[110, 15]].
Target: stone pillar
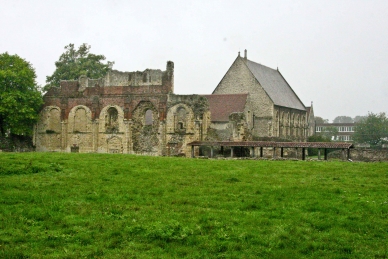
[[211, 152], [325, 153], [303, 153], [192, 151], [64, 136], [95, 129], [231, 151], [319, 154], [252, 151], [274, 152]]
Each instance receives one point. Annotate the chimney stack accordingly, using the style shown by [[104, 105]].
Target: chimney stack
[[245, 54]]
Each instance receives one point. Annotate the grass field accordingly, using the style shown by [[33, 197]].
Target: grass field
[[56, 205]]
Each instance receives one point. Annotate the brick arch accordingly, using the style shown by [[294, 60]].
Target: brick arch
[[80, 119]]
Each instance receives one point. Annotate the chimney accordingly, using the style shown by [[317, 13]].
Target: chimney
[[245, 54]]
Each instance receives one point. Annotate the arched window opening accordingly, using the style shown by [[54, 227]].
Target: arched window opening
[[80, 120], [181, 119], [148, 118], [111, 120]]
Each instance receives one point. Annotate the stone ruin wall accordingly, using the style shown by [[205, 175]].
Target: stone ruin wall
[[135, 118]]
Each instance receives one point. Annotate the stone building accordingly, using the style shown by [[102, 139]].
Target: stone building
[[124, 112], [265, 106], [138, 112]]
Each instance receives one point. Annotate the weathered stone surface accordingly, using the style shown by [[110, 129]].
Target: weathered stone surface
[[125, 112]]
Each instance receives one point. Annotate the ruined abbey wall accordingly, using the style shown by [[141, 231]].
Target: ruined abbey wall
[[125, 112]]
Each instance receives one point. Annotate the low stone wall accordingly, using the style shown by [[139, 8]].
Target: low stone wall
[[363, 154]]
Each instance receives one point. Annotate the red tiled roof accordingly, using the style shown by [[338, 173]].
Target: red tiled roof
[[273, 144], [222, 105]]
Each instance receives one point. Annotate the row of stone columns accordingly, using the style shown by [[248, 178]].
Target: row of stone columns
[[252, 152]]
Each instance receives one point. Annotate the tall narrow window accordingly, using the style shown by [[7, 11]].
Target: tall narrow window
[[180, 121], [148, 118], [111, 120]]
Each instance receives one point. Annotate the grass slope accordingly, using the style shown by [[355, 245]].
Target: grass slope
[[119, 206]]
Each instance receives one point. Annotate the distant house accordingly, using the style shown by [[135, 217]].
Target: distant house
[[341, 132], [267, 105]]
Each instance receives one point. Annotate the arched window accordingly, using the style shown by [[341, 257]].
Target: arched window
[[80, 120], [181, 118], [148, 118], [54, 121], [111, 120]]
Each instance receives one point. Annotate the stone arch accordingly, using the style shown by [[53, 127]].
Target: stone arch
[[50, 120], [148, 117], [180, 117], [111, 119], [145, 128], [115, 144], [80, 119]]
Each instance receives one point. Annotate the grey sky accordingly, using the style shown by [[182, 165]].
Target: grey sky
[[334, 53]]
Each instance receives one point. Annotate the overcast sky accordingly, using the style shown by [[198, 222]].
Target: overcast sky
[[332, 53]]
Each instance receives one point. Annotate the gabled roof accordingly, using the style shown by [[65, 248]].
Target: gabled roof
[[275, 86], [222, 105]]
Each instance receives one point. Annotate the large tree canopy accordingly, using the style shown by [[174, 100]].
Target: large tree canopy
[[343, 119], [74, 63], [20, 99], [320, 120], [373, 129]]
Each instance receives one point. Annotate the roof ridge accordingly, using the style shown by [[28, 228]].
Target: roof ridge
[[230, 94], [262, 65]]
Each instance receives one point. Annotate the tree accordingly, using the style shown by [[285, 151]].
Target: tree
[[20, 98], [320, 120], [358, 118], [343, 119], [372, 130], [74, 63]]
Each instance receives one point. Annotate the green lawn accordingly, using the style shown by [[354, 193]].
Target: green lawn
[[55, 205]]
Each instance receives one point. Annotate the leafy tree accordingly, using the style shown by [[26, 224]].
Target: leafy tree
[[20, 98], [74, 63], [358, 118], [316, 138], [343, 119], [372, 130], [320, 120]]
